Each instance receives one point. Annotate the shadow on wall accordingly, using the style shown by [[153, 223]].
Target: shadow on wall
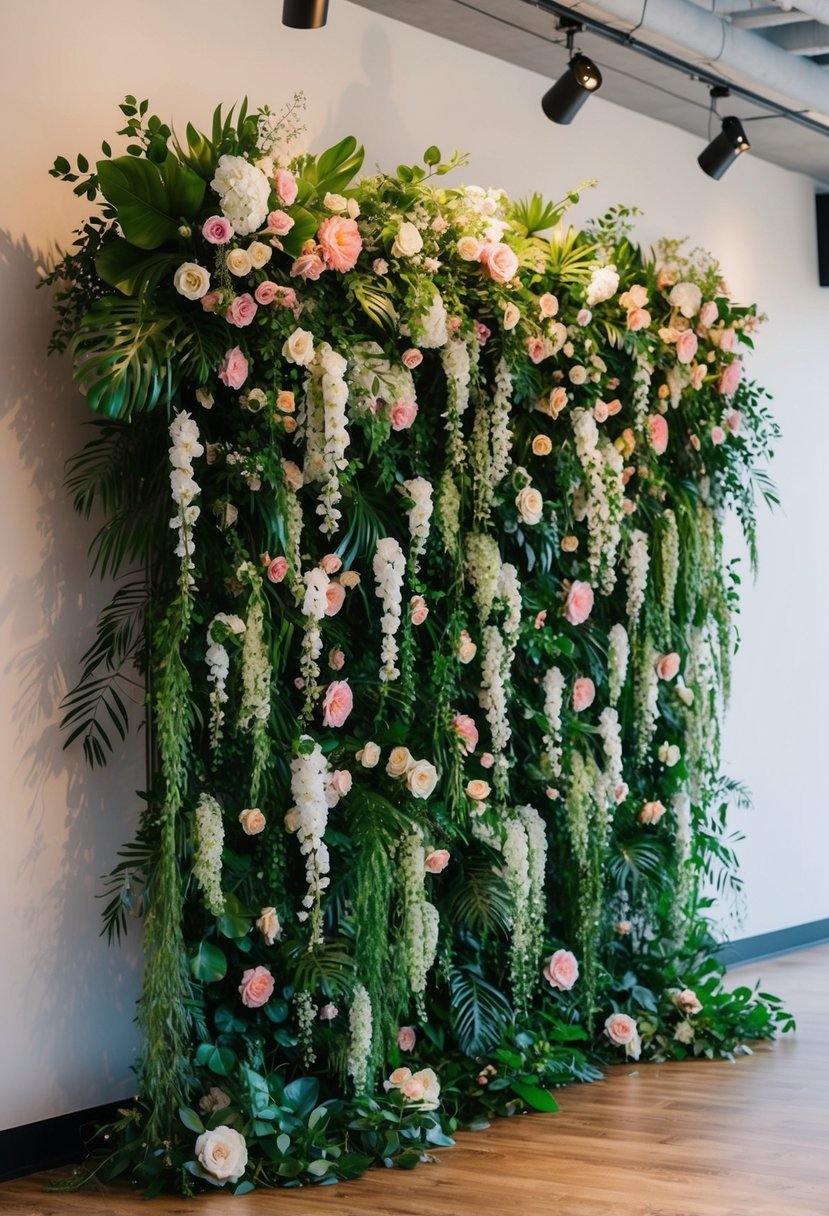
[[80, 1001]]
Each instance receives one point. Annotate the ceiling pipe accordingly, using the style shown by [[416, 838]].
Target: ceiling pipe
[[700, 38]]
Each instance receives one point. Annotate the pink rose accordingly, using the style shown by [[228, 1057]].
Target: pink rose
[[241, 310], [266, 292], [694, 441], [733, 421], [234, 368], [659, 433], [406, 1038], [334, 598], [561, 970], [500, 261], [482, 332], [667, 665], [308, 266], [277, 569], [336, 659], [285, 186], [651, 812], [340, 242], [717, 435], [256, 987], [686, 346], [418, 610], [331, 563], [287, 297], [687, 1001], [211, 301], [328, 1012], [697, 376], [728, 341], [584, 316], [730, 378], [540, 619], [708, 314], [536, 349], [620, 1029], [638, 318], [436, 861], [487, 760], [280, 222], [584, 693], [402, 414], [337, 703], [579, 603], [217, 230], [465, 728], [412, 358]]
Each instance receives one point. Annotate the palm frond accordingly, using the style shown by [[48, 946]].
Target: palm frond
[[480, 1012], [480, 899]]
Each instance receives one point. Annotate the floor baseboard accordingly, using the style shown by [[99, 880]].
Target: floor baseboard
[[50, 1143], [768, 945]]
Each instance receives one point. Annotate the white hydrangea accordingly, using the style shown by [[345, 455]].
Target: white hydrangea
[[389, 572], [243, 192], [207, 853]]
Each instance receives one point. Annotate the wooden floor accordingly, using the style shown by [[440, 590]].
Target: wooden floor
[[694, 1139]]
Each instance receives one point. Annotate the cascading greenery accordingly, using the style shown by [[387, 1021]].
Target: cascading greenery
[[430, 595]]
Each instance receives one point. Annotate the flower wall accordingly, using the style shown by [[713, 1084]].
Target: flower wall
[[417, 500]]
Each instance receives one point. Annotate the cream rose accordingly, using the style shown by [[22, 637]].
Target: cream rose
[[259, 254], [530, 505], [252, 821], [222, 1153], [399, 762], [511, 316], [408, 241], [422, 778], [299, 347], [335, 203], [469, 248], [478, 790], [191, 281], [238, 262], [369, 755], [466, 648]]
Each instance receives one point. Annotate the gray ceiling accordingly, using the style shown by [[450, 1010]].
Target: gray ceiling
[[525, 32]]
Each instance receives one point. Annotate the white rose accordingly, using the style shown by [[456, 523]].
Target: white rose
[[687, 297], [603, 284], [353, 208], [238, 262], [259, 254], [369, 755], [299, 347], [408, 241], [422, 778], [191, 281], [222, 1153], [530, 505], [399, 762], [334, 202]]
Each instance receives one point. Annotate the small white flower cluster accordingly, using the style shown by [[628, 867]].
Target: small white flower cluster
[[618, 656], [389, 573], [456, 365], [603, 284], [684, 887], [669, 553], [314, 603], [373, 377], [641, 393], [305, 1020], [637, 561], [647, 698], [579, 804], [448, 512], [493, 698], [429, 329], [509, 591], [311, 425], [218, 664], [482, 564], [207, 853], [536, 831], [517, 876], [308, 779], [186, 447], [553, 685], [611, 781], [501, 424], [243, 192], [419, 490], [331, 367], [602, 466], [293, 536], [420, 918], [256, 664], [360, 1029]]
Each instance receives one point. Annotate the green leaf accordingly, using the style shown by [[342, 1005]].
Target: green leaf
[[319, 1167], [190, 1119], [137, 191], [208, 964], [220, 1060], [283, 1143], [301, 1095], [534, 1096], [244, 1188], [185, 189], [128, 269], [480, 1012], [431, 156]]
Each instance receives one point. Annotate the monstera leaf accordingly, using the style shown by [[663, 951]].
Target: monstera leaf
[[151, 200]]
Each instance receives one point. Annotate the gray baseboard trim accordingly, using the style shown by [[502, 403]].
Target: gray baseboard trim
[[781, 941]]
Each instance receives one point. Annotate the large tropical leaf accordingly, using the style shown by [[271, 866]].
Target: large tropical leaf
[[480, 899], [480, 1012], [151, 199]]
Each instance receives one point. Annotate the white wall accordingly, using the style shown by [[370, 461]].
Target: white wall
[[66, 1038]]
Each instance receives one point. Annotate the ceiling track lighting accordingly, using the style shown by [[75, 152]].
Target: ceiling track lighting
[[304, 14], [724, 148], [563, 100]]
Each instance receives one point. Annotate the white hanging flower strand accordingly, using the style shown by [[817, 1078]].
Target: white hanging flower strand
[[637, 562], [419, 490], [618, 656], [389, 572], [186, 447], [612, 780], [218, 664], [309, 819], [334, 396], [456, 365], [360, 1021], [421, 921], [553, 685], [501, 424], [314, 604], [207, 853], [602, 466], [256, 665], [641, 393]]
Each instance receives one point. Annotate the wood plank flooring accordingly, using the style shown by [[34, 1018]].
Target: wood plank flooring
[[693, 1139]]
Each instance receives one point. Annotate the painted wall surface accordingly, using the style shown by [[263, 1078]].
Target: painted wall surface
[[66, 1033]]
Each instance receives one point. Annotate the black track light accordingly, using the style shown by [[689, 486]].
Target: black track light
[[304, 14], [562, 102], [724, 148]]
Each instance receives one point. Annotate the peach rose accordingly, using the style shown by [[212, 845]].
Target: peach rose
[[465, 728], [540, 619], [369, 755], [536, 349], [268, 925], [548, 304], [299, 347], [579, 603], [294, 477], [561, 970], [558, 400], [511, 316], [399, 1077], [233, 370], [238, 262], [418, 610], [436, 861], [252, 821], [256, 987], [334, 598], [285, 402], [413, 1089], [638, 318], [340, 242], [659, 433], [500, 262], [687, 1001], [584, 693], [600, 411], [686, 346], [407, 241], [651, 812], [569, 544], [469, 248], [337, 703], [406, 1038], [308, 266], [399, 762], [336, 659], [402, 414], [478, 790], [667, 665], [292, 819], [466, 648], [530, 504], [542, 445], [350, 578]]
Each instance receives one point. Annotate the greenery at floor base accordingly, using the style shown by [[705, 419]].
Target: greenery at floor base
[[414, 499]]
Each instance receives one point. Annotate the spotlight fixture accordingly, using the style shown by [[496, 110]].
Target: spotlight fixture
[[563, 100], [304, 14], [724, 148]]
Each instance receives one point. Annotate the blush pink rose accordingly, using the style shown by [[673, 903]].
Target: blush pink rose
[[651, 812], [418, 610], [697, 376], [584, 693], [280, 222], [334, 598], [536, 349], [234, 368], [600, 411], [277, 569], [266, 292], [730, 378], [620, 1029], [256, 987], [465, 728], [210, 301], [728, 341], [686, 346], [406, 1038], [340, 242], [500, 261], [561, 970], [331, 563], [412, 358], [285, 186], [579, 603], [436, 861], [308, 266], [659, 433], [717, 435], [337, 704], [482, 332], [242, 310], [638, 318], [733, 421], [217, 230], [402, 414], [540, 619], [667, 665], [336, 659], [487, 760], [708, 314], [287, 297]]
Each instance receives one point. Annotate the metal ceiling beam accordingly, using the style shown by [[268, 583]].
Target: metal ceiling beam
[[807, 38], [765, 18], [819, 9]]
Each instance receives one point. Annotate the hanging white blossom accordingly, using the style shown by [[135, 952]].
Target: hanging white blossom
[[536, 831], [420, 918], [314, 603], [618, 655], [256, 665], [637, 561], [602, 465], [389, 572], [517, 876], [482, 566], [419, 490], [641, 393], [647, 697], [207, 853], [493, 698], [501, 424], [612, 778], [218, 669], [331, 368], [456, 365], [309, 771], [186, 447], [360, 1022], [553, 685], [669, 554]]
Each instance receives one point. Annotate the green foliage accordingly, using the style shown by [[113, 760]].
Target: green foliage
[[480, 1011]]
